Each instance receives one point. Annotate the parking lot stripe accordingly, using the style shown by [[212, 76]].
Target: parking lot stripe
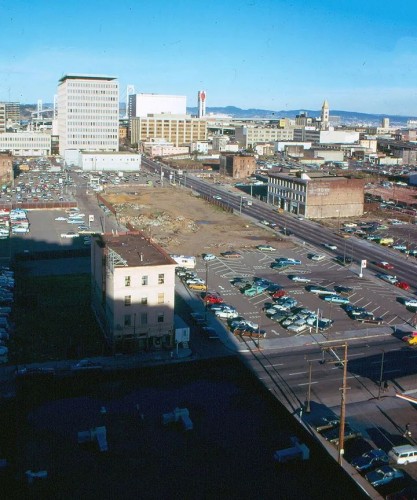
[[297, 373]]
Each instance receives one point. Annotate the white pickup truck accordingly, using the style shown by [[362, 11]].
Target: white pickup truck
[[70, 234]]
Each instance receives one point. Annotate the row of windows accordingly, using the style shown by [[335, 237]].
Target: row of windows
[[142, 319], [145, 280], [144, 300], [96, 85], [92, 137], [99, 123], [91, 92]]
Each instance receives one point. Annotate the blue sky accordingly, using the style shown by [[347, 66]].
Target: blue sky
[[268, 54]]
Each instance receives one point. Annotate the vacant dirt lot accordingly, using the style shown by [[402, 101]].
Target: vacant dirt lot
[[183, 223]]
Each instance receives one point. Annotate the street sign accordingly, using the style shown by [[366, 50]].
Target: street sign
[[363, 264], [91, 218]]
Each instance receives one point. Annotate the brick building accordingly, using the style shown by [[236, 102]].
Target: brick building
[[238, 166], [316, 196]]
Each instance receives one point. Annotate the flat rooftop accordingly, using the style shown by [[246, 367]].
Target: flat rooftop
[[136, 249], [74, 76]]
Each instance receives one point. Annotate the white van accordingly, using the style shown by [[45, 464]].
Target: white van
[[403, 455]]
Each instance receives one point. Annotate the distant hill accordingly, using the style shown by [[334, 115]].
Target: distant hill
[[346, 117]]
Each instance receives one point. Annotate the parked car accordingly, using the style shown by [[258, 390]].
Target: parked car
[[342, 290], [330, 246], [384, 475], [411, 338], [266, 248], [388, 278], [324, 423], [332, 435], [369, 459], [289, 261], [213, 299], [336, 299], [317, 257], [208, 256], [403, 285], [226, 314], [231, 254], [344, 260], [409, 302], [299, 279], [70, 234], [197, 286]]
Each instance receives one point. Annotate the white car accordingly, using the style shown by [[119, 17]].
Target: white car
[[226, 314], [70, 234], [208, 256], [299, 279], [61, 218], [330, 246], [318, 257], [388, 278], [410, 302], [195, 281]]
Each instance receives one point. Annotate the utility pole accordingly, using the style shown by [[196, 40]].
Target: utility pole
[[308, 407], [343, 409], [381, 374]]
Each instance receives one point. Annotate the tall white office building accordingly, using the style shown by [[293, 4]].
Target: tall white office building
[[201, 103], [142, 105], [88, 113]]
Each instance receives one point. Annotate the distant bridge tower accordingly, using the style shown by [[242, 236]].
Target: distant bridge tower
[[201, 103], [130, 90], [39, 108]]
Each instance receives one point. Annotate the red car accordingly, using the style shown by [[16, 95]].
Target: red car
[[278, 294], [385, 265], [213, 299], [403, 285]]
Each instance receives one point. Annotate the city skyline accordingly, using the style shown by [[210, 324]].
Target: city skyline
[[272, 55]]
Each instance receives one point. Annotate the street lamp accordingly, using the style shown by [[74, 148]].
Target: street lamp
[[381, 374], [308, 407]]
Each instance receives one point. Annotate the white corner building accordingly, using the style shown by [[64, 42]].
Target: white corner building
[[88, 113], [133, 290]]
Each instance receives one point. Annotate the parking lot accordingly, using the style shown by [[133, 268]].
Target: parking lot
[[380, 301]]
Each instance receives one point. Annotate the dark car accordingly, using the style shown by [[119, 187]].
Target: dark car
[[332, 435], [343, 259], [372, 458], [343, 290], [324, 423], [384, 475], [231, 254]]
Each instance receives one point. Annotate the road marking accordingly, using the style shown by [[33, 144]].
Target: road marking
[[297, 373], [391, 371], [307, 383], [277, 364]]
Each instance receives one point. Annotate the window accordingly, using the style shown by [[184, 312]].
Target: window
[[144, 301], [144, 318], [160, 317], [161, 279], [128, 320], [144, 280], [127, 280], [128, 300], [161, 298]]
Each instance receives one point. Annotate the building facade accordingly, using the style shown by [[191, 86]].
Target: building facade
[[109, 162], [181, 130], [316, 197], [237, 166], [250, 135], [133, 288], [88, 113], [26, 143], [2, 117], [142, 105], [6, 169]]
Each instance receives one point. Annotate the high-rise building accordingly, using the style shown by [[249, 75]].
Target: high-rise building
[[201, 103], [12, 113], [142, 105], [88, 113]]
